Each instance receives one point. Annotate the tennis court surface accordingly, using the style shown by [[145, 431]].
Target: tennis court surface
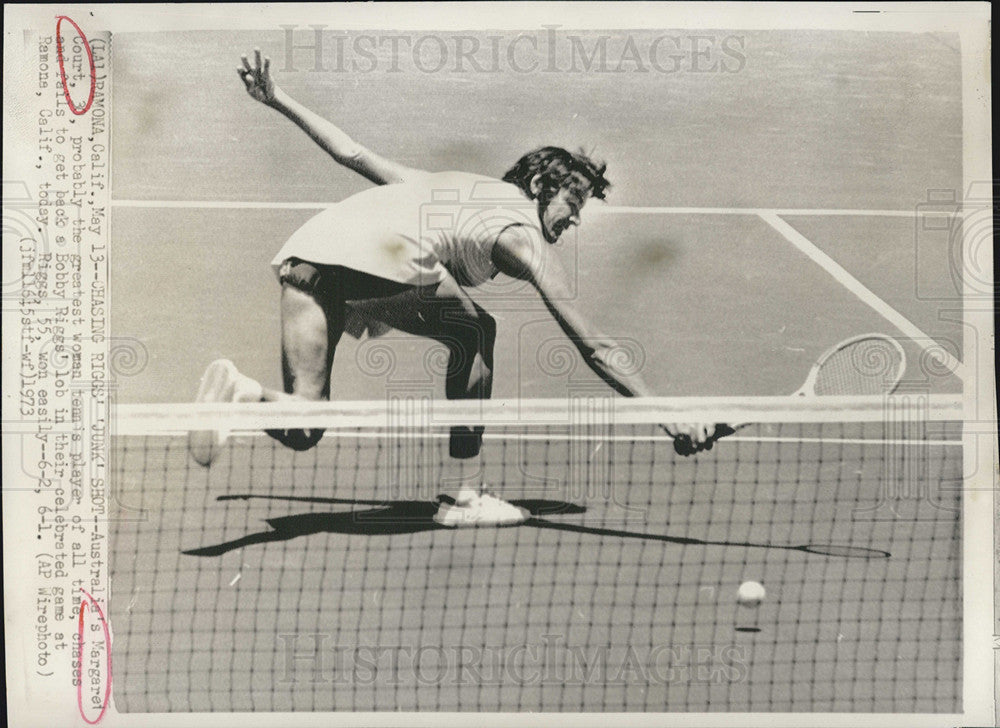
[[280, 581], [756, 219]]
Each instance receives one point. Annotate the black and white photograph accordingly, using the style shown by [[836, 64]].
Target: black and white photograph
[[554, 362]]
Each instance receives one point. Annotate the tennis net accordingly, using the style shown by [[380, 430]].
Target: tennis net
[[277, 580]]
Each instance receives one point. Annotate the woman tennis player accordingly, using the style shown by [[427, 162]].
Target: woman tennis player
[[365, 264]]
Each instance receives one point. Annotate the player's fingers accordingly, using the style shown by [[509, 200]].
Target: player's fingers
[[241, 72], [267, 66], [258, 64], [246, 64]]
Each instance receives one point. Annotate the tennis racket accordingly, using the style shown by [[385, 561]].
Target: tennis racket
[[869, 364]]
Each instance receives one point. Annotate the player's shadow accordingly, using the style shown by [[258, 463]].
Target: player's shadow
[[381, 519], [822, 549], [411, 516]]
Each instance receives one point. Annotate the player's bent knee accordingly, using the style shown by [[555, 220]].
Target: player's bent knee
[[488, 326]]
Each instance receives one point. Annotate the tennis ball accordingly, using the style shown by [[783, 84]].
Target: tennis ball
[[750, 594]]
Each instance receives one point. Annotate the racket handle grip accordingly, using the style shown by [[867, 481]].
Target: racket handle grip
[[683, 444]]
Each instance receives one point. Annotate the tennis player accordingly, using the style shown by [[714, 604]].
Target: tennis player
[[364, 265]]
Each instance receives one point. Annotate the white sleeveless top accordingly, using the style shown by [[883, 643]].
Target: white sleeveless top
[[415, 231]]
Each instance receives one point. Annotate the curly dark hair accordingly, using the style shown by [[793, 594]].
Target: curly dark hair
[[558, 168]]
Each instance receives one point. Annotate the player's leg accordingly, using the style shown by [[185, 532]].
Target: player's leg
[[446, 313], [312, 322], [313, 316], [469, 334]]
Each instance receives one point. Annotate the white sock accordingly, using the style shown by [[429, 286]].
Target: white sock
[[466, 495], [463, 477]]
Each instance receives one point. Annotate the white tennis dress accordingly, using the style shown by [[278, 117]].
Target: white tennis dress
[[416, 231]]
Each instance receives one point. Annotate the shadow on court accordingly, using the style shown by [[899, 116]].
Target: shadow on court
[[403, 517], [844, 551], [385, 519]]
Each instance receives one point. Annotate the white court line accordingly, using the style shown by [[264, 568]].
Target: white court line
[[864, 293], [556, 438], [598, 209], [222, 204], [520, 436], [769, 215], [611, 209]]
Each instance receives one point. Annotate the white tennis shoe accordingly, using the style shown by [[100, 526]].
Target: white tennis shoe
[[472, 509], [221, 382]]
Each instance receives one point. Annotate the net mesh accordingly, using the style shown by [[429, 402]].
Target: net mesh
[[279, 581]]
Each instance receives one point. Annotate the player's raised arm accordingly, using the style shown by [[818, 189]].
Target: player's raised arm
[[519, 255], [333, 140]]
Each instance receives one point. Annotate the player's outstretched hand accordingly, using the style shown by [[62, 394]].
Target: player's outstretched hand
[[691, 438], [257, 78]]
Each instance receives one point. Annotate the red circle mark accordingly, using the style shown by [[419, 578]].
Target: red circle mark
[[89, 600], [62, 67]]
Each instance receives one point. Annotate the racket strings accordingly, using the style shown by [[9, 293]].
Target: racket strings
[[869, 366]]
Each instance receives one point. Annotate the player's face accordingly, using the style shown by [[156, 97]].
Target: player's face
[[561, 212]]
